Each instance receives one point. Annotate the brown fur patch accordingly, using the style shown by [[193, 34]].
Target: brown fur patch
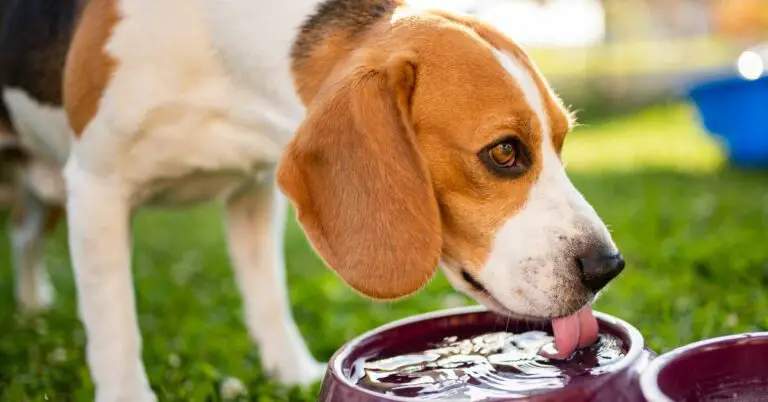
[[53, 215], [12, 158], [11, 152], [89, 67]]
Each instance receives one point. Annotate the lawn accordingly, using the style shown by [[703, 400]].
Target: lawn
[[693, 232]]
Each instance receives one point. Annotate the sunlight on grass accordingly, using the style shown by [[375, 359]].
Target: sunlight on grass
[[666, 137]]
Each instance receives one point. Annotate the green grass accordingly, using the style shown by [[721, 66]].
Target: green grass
[[693, 232]]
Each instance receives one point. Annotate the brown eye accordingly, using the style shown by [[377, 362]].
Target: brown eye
[[503, 154], [507, 158]]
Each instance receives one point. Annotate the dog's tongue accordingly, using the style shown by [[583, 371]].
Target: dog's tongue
[[588, 331], [577, 330]]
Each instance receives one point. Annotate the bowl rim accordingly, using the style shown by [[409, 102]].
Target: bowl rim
[[637, 345], [648, 379]]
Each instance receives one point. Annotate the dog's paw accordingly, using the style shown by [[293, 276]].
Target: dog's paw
[[126, 394], [303, 375], [33, 300]]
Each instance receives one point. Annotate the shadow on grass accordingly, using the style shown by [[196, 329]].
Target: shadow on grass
[[697, 268]]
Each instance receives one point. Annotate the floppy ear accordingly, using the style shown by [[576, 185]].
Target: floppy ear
[[361, 186]]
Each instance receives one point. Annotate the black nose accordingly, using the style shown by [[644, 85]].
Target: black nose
[[599, 269]]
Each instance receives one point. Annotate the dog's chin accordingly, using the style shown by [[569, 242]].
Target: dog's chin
[[485, 297], [494, 304]]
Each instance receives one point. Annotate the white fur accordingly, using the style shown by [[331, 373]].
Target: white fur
[[256, 227], [45, 181], [99, 240], [261, 64], [44, 130], [34, 291], [531, 267], [41, 128]]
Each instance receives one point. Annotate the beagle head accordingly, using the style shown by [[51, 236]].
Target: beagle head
[[431, 139]]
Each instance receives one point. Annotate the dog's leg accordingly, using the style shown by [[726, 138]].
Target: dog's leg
[[255, 223], [99, 214], [29, 220]]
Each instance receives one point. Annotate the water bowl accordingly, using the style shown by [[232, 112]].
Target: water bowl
[[731, 368], [461, 345]]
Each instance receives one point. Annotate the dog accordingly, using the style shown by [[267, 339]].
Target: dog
[[406, 139]]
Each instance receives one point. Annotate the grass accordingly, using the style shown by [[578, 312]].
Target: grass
[[692, 230]]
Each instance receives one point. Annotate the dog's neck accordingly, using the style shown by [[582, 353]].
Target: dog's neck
[[329, 37], [262, 43], [253, 39]]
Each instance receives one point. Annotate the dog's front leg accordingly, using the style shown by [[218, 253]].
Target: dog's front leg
[[99, 237], [255, 223]]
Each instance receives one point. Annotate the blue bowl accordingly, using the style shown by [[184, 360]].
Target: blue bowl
[[735, 110]]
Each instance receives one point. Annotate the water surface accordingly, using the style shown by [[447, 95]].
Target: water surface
[[499, 364]]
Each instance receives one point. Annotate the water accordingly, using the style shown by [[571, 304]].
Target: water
[[497, 364], [735, 395], [727, 389]]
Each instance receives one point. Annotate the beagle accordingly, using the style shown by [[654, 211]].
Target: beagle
[[406, 139]]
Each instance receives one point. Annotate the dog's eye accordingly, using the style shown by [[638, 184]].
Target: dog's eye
[[507, 158], [503, 154]]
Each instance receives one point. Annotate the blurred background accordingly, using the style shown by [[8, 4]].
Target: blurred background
[[672, 151], [612, 56]]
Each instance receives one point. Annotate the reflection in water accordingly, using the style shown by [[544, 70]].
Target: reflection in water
[[498, 364]]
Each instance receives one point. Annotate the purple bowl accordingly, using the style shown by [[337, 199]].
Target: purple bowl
[[616, 382], [728, 368]]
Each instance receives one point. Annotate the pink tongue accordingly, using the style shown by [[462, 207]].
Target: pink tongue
[[578, 330], [587, 327]]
